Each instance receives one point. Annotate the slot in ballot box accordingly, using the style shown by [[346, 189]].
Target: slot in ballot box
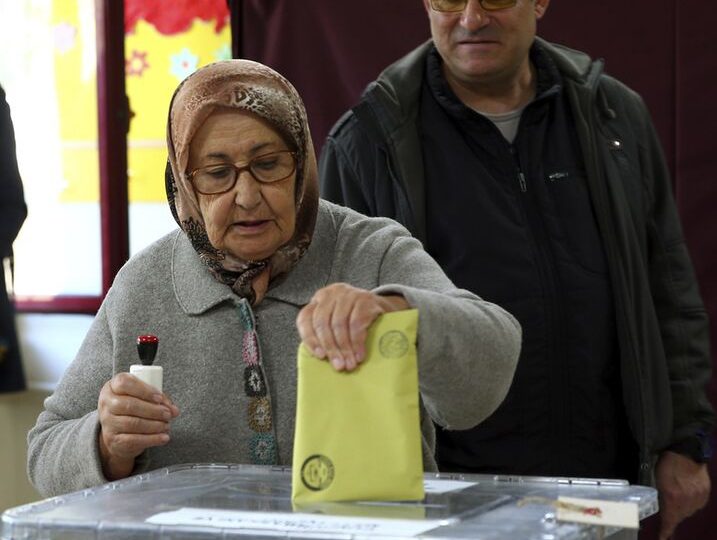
[[210, 501]]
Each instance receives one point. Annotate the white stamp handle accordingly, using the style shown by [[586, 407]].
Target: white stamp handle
[[151, 375]]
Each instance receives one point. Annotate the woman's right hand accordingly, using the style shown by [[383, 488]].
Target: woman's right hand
[[134, 416]]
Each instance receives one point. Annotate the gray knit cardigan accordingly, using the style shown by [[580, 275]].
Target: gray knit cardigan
[[467, 348]]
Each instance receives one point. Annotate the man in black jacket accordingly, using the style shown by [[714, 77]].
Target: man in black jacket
[[12, 215], [537, 182]]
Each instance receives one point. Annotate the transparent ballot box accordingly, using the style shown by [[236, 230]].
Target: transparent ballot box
[[208, 501]]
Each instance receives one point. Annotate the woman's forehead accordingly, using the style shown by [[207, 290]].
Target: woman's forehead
[[240, 121], [235, 133]]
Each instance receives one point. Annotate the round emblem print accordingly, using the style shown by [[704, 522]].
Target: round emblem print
[[393, 344], [317, 472]]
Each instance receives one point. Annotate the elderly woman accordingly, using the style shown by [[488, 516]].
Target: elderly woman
[[259, 263]]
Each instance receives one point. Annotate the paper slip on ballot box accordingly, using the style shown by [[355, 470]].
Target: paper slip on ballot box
[[209, 501]]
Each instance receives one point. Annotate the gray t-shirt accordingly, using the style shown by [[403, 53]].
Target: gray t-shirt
[[507, 123]]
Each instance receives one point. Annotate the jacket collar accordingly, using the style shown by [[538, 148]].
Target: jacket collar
[[195, 288], [394, 99], [572, 64], [198, 291], [401, 81]]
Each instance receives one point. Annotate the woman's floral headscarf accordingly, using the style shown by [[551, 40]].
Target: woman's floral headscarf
[[253, 87]]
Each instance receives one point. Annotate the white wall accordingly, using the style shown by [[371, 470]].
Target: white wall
[[48, 343]]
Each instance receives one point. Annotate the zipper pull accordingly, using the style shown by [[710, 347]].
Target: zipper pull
[[522, 182], [557, 176]]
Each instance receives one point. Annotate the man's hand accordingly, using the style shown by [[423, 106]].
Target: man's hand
[[683, 487]]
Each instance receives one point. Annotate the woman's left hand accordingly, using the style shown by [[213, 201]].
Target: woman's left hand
[[334, 325]]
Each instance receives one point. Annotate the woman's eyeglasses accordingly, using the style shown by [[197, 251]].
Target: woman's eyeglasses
[[222, 177], [454, 6]]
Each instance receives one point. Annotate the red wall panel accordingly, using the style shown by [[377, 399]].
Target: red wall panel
[[696, 186], [330, 50]]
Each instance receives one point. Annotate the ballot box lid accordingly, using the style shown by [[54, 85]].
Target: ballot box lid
[[208, 501]]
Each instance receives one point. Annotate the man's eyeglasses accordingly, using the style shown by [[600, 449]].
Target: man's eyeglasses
[[454, 6], [222, 177]]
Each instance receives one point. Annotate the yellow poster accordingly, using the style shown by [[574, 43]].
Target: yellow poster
[[162, 47]]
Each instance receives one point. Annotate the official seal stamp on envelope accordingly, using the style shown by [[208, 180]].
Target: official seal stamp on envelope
[[393, 344], [317, 472]]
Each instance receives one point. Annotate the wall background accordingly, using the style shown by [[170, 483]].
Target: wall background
[[664, 49]]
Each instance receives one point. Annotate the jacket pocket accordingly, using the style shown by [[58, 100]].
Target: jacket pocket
[[575, 219]]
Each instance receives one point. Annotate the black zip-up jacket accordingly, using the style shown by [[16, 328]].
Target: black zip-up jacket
[[12, 203], [372, 161], [12, 215]]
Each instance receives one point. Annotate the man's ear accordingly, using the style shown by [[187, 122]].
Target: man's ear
[[541, 6]]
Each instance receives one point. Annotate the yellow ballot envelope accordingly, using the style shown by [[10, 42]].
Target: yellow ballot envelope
[[358, 433]]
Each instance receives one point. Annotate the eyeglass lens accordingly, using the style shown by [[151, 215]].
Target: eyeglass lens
[[266, 169]]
